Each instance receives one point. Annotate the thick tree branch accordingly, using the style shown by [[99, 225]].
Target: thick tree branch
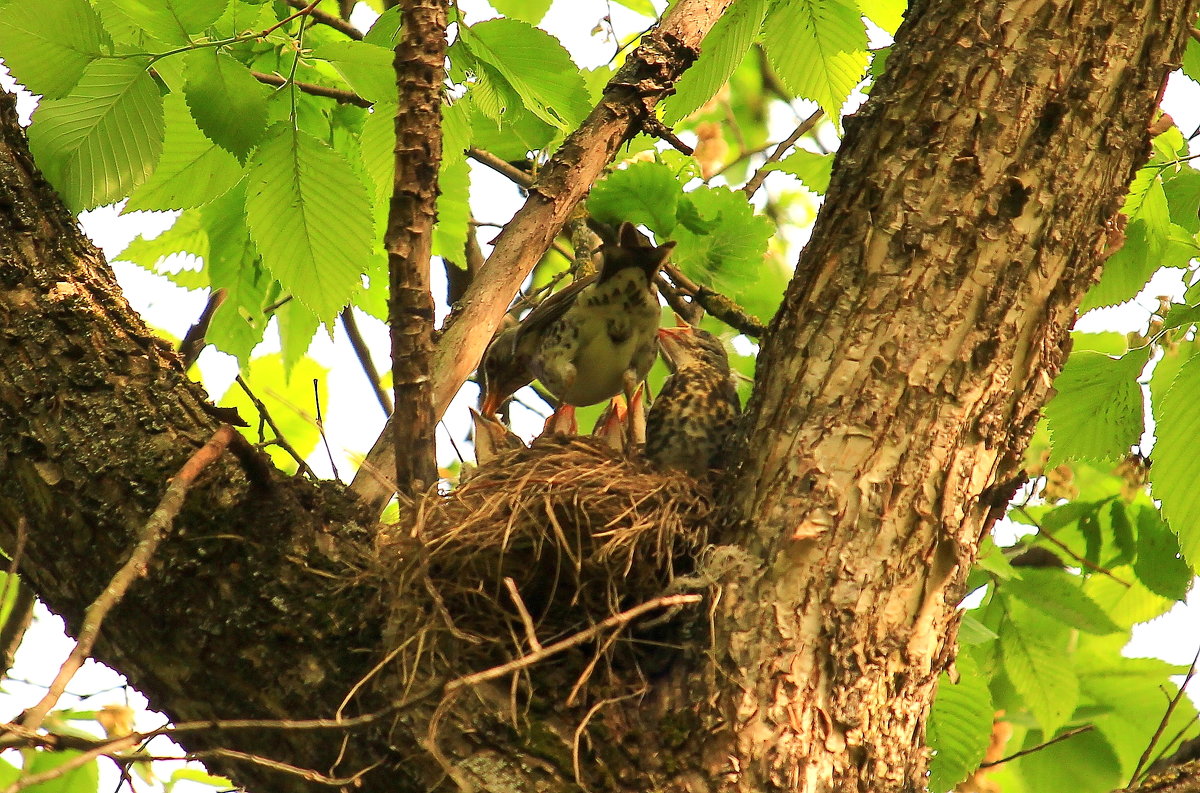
[[647, 76], [419, 67]]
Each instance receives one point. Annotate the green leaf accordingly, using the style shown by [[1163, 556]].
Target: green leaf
[[234, 265], [818, 48], [84, 779], [1123, 597], [1096, 413], [192, 169], [296, 328], [643, 193], [809, 167], [1159, 565], [530, 11], [1183, 198], [535, 66], [188, 237], [285, 394], [453, 212], [1058, 594], [1040, 673], [367, 68], [229, 105], [972, 631], [643, 7], [386, 30], [886, 13], [310, 215], [960, 726], [1176, 466], [102, 140], [47, 45], [1083, 763], [720, 53]]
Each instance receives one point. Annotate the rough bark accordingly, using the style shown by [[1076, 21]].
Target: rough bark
[[974, 198], [419, 65]]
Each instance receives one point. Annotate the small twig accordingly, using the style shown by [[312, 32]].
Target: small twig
[[1194, 33], [526, 619], [652, 126], [321, 426], [280, 440], [340, 25], [337, 94], [81, 759], [717, 304], [760, 176], [690, 311], [1057, 543], [501, 167], [615, 621], [150, 536], [1040, 746], [304, 11], [364, 359], [1162, 724]]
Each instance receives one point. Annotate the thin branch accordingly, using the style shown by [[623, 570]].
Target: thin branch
[[760, 176], [81, 759], [306, 9], [1166, 717], [193, 341], [280, 440], [350, 324], [648, 75], [1040, 746], [344, 97], [717, 304], [520, 178], [537, 656], [526, 618], [338, 24], [151, 535], [1062, 546]]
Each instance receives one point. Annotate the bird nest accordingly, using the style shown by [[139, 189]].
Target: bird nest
[[540, 544]]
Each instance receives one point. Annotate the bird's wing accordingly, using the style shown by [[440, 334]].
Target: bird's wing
[[552, 308]]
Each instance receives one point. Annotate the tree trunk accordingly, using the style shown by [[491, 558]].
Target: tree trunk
[[975, 195]]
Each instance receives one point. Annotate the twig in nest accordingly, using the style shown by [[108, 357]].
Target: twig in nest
[[151, 535], [615, 621], [526, 619]]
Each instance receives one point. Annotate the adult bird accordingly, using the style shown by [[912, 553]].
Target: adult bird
[[695, 412], [590, 341]]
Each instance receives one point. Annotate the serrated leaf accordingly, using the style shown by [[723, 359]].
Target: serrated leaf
[[1176, 466], [1097, 411], [103, 139], [1039, 673], [187, 237], [643, 193], [234, 265], [48, 44], [1158, 564], [1191, 60], [1123, 597], [84, 779], [309, 213], [286, 391], [643, 7], [530, 11], [367, 68], [229, 105], [818, 48], [728, 255], [192, 169], [959, 728], [720, 53], [1058, 594], [385, 32], [1183, 199], [809, 167], [453, 212], [297, 325], [536, 67]]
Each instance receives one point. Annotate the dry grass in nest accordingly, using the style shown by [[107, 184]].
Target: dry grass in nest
[[582, 533]]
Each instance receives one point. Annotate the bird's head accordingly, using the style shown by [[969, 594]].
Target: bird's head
[[686, 345], [503, 371], [631, 248]]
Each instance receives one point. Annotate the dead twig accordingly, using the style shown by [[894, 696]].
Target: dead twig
[[329, 20], [265, 415], [350, 324], [760, 176], [151, 535], [1166, 717]]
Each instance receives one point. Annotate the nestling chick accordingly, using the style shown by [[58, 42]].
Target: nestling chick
[[590, 341], [694, 415]]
